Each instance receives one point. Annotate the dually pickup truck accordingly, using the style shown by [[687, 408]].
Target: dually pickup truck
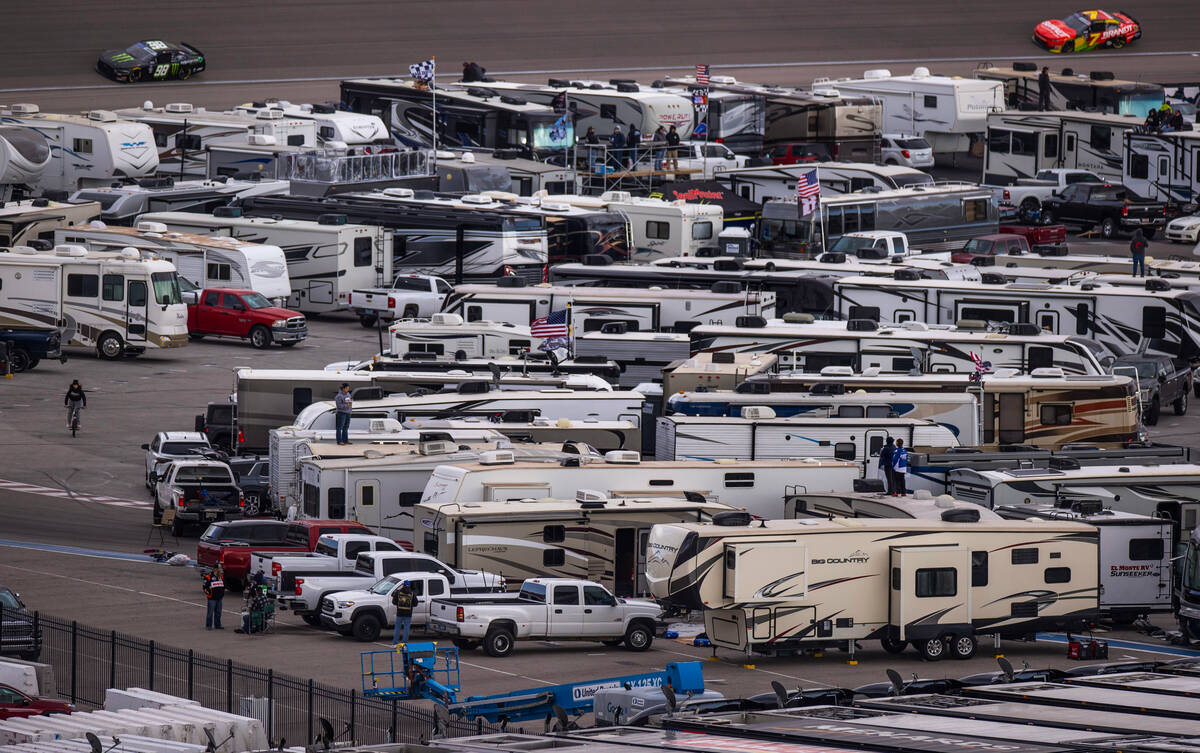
[[562, 609], [199, 491]]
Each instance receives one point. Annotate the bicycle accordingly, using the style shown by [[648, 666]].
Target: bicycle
[[74, 415]]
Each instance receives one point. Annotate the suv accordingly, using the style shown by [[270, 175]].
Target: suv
[[172, 445], [909, 151], [19, 635]]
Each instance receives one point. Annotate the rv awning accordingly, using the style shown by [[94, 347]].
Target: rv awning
[[737, 210]]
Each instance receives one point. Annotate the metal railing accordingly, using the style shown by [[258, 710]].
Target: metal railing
[[335, 166]]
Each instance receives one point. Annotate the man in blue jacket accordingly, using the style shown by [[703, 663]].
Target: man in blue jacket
[[900, 469]]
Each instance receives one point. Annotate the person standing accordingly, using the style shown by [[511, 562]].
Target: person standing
[[659, 143], [672, 149], [616, 145], [402, 598], [1044, 89], [75, 399], [1137, 250], [592, 140], [633, 141], [900, 469], [343, 405], [214, 594], [886, 454]]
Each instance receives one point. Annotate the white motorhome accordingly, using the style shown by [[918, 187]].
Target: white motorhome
[[446, 335], [326, 259], [115, 302], [333, 125], [205, 261], [37, 219], [787, 584], [1162, 166], [779, 181], [658, 228], [1096, 91], [180, 132], [1020, 144], [948, 111], [24, 156], [87, 150]]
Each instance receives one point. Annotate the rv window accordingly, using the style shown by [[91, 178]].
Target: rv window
[[474, 313], [1050, 146], [875, 445], [1024, 144], [1058, 575], [81, 146], [161, 139], [302, 397], [998, 139], [337, 503], [517, 347], [595, 596], [1146, 549], [814, 362], [554, 534], [312, 501], [739, 480], [1056, 415], [850, 220], [903, 365], [211, 298], [1139, 166], [366, 495], [975, 209], [744, 191], [1012, 418], [662, 482], [435, 348], [845, 450], [327, 133], [362, 251], [113, 288], [1024, 556], [1154, 322], [83, 286], [658, 230], [1164, 166], [1069, 143], [1048, 321], [904, 315], [852, 411], [217, 271], [408, 499], [833, 222], [930, 101], [553, 558], [1101, 137], [702, 231], [979, 569], [987, 315], [431, 547], [1083, 323], [937, 581], [566, 595], [608, 112], [895, 579]]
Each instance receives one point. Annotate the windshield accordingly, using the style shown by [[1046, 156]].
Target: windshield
[[912, 179], [851, 245], [385, 586], [1146, 370], [182, 448], [166, 288], [256, 301], [8, 600], [1140, 103], [1078, 22], [204, 475], [187, 286], [913, 144]]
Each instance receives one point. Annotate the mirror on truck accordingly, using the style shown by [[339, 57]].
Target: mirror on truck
[[145, 446]]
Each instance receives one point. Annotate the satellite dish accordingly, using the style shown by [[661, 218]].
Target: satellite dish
[[1006, 667], [326, 736], [94, 742], [780, 693], [560, 717], [672, 703], [897, 682]]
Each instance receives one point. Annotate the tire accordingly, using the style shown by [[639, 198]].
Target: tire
[[195, 336], [19, 360], [465, 644], [638, 637], [1181, 404], [893, 646], [33, 362], [366, 628], [963, 646], [411, 311], [110, 347], [613, 643], [1047, 216], [260, 337], [931, 649], [498, 642], [312, 619], [185, 74], [253, 504], [1153, 412], [1118, 43], [1027, 208], [367, 320], [1108, 228], [135, 75]]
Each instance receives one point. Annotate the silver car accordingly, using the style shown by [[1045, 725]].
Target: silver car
[[171, 445]]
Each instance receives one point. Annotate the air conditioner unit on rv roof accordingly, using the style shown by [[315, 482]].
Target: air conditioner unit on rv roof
[[178, 107], [151, 227], [444, 319], [497, 457], [623, 457], [757, 412]]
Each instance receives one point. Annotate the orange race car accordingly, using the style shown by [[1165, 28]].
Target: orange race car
[[1087, 30]]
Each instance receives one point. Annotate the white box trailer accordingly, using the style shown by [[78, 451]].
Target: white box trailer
[[642, 356], [333, 124], [1020, 144], [447, 335]]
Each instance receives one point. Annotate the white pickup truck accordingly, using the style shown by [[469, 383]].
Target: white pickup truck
[[409, 297], [708, 157], [363, 614], [199, 491], [563, 609], [1027, 194], [873, 245]]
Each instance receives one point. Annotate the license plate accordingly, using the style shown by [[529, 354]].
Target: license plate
[[440, 628], [211, 515]]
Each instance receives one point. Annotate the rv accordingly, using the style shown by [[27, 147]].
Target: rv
[[641, 309], [522, 426], [206, 262], [1162, 166], [445, 335], [642, 356], [716, 371], [1121, 318], [181, 131], [850, 580], [36, 219], [502, 170], [779, 181], [326, 259], [1135, 555], [1020, 144], [1188, 589], [115, 302], [123, 204], [87, 150], [1168, 491], [467, 116], [948, 112], [920, 505], [658, 228], [1097, 91], [334, 126], [24, 157], [590, 536]]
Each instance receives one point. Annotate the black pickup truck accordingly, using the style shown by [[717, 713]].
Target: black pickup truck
[[1110, 207], [19, 633], [1161, 381], [26, 347]]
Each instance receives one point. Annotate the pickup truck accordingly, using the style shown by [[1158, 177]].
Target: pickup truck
[[27, 347], [1108, 206], [409, 297], [1160, 379], [172, 445], [199, 491], [20, 635], [371, 567], [1027, 195], [1038, 236], [219, 425], [364, 614], [335, 553], [873, 244], [708, 158], [228, 312], [232, 543], [562, 609], [983, 250]]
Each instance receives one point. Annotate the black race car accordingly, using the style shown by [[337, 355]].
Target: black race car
[[151, 60]]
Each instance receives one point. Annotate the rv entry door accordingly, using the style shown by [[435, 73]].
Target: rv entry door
[[930, 592], [136, 303], [366, 503]]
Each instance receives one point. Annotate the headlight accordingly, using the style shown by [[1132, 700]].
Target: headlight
[[279, 323], [345, 604]]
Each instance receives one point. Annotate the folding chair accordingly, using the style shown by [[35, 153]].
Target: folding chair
[[165, 522]]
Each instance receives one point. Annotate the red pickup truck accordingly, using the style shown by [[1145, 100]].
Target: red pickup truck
[[1038, 236], [227, 312], [232, 542]]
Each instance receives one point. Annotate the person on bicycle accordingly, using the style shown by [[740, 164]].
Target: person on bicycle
[[74, 400]]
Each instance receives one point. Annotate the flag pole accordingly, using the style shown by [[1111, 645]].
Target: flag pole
[[433, 89]]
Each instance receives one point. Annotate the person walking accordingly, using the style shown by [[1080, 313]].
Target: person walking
[[659, 143], [1137, 250], [75, 399], [1044, 89], [214, 593], [886, 454], [402, 598], [343, 405], [900, 469], [616, 146], [672, 149]]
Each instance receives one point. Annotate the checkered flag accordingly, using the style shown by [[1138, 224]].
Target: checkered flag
[[422, 71]]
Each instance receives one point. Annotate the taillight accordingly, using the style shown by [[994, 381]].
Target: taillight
[[1007, 195], [299, 582], [1124, 210], [241, 437], [458, 615], [906, 153], [179, 499], [241, 500], [391, 302], [275, 568]]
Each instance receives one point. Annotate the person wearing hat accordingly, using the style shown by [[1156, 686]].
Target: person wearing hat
[[402, 598]]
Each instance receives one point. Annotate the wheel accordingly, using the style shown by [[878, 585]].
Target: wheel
[[1047, 216], [498, 642], [1108, 227], [963, 646], [365, 628], [33, 362], [893, 645], [312, 619], [1027, 209], [135, 75], [19, 360], [176, 527], [1118, 43], [1152, 412], [613, 643], [892, 162], [109, 346], [195, 336], [260, 336], [253, 504], [1181, 404], [367, 320], [932, 649], [638, 637], [185, 74], [410, 311], [1149, 233], [465, 644]]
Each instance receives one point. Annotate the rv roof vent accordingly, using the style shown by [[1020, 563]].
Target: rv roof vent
[[922, 494], [757, 412], [444, 319], [23, 250], [728, 265], [906, 274], [131, 253], [1101, 75], [1087, 506], [862, 325], [877, 73], [961, 515], [832, 258], [1157, 284], [1048, 372], [1089, 286], [627, 87], [331, 219], [1023, 329], [102, 116], [479, 91], [474, 198], [497, 457], [1021, 65], [423, 194], [723, 80], [837, 371], [437, 448], [178, 107], [914, 326], [555, 206], [596, 260], [398, 193], [616, 196], [971, 324], [227, 211], [261, 139], [739, 518], [750, 322], [993, 278], [1063, 463], [920, 72], [614, 328], [725, 286], [70, 250], [723, 356], [795, 317], [868, 485], [623, 457], [942, 500], [25, 108], [827, 91], [512, 99], [151, 227], [270, 114], [590, 496], [559, 83], [510, 281]]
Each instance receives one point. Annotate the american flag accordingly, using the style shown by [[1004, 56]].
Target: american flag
[[702, 75], [808, 191], [553, 324], [423, 71]]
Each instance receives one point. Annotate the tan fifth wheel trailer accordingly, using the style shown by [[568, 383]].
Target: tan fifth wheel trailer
[[787, 584]]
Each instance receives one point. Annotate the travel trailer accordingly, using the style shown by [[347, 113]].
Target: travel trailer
[[947, 111], [779, 181], [124, 204], [478, 171], [520, 426], [115, 302], [447, 335], [857, 579], [1097, 91], [326, 259], [36, 219], [658, 228], [24, 157], [590, 536], [920, 504], [1020, 144], [642, 356], [1162, 166], [93, 149], [716, 371], [1188, 589], [205, 261], [334, 125]]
